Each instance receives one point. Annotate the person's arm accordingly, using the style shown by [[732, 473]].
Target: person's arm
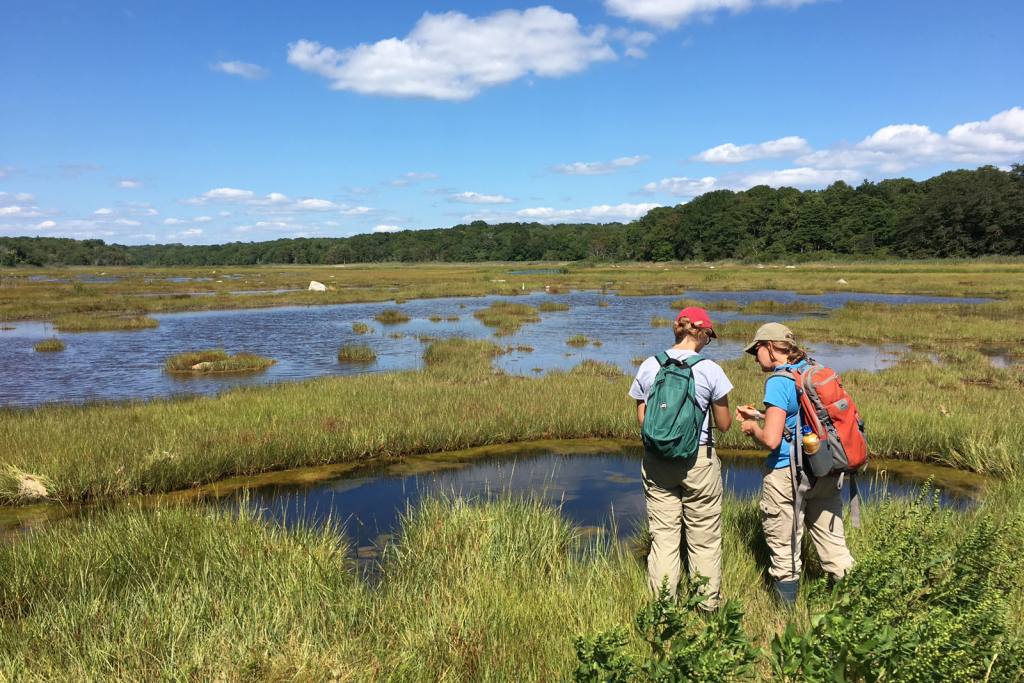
[[641, 410], [723, 418], [770, 435]]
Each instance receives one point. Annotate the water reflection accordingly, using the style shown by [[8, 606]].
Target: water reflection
[[304, 341], [593, 490]]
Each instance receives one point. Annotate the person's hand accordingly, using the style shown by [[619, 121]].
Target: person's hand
[[747, 412], [748, 427]]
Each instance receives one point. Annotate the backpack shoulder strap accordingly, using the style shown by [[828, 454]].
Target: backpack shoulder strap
[[690, 361], [663, 358]]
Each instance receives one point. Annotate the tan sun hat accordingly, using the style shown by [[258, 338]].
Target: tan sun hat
[[776, 332]]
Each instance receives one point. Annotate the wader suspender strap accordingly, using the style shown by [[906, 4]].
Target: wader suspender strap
[[854, 501], [711, 427]]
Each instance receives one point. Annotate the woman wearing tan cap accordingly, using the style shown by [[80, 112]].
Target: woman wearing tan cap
[[790, 500]]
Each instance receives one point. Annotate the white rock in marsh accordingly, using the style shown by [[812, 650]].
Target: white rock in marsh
[[31, 488], [203, 366], [841, 281], [315, 286]]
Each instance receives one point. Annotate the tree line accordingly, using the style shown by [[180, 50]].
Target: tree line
[[960, 213]]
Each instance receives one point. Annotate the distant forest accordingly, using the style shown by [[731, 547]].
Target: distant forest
[[955, 214]]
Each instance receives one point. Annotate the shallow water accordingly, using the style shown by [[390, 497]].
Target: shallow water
[[601, 489], [305, 340], [596, 483]]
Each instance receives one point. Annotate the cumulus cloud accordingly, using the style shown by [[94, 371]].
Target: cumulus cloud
[[736, 154], [222, 194], [387, 228], [241, 69], [801, 177], [46, 225], [102, 212], [202, 219], [190, 233], [127, 222], [129, 184], [356, 210], [895, 148], [313, 204], [174, 221], [599, 167], [452, 56], [10, 210], [477, 198], [601, 213], [672, 13], [681, 186]]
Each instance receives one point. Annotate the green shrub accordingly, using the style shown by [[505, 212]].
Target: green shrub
[[682, 645], [49, 345], [915, 607], [356, 353]]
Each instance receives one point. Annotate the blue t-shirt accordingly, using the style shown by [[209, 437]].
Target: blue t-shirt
[[780, 392]]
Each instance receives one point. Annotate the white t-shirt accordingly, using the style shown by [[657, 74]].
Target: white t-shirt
[[710, 381]]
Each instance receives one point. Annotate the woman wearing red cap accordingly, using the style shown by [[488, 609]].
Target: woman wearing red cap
[[684, 496]]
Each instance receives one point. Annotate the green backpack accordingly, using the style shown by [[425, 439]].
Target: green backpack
[[674, 420]]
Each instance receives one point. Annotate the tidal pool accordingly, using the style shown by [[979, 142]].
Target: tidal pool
[[304, 342], [595, 483]]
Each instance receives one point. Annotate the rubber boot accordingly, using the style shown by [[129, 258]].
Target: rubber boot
[[786, 592]]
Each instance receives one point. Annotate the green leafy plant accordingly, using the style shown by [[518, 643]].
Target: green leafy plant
[[684, 644]]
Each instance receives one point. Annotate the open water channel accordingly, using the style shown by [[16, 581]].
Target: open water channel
[[304, 342]]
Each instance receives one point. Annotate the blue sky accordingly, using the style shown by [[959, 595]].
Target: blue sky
[[200, 122]]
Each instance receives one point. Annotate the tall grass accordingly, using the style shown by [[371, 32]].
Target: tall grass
[[469, 590], [361, 328], [552, 306]]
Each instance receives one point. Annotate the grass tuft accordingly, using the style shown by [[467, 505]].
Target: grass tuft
[[507, 317], [361, 328], [103, 323], [49, 345], [356, 353], [216, 361], [391, 316], [552, 306]]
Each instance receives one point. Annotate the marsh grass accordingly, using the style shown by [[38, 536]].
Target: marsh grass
[[916, 410], [658, 321], [361, 328], [356, 353], [716, 305], [469, 589], [435, 318], [507, 317], [49, 345], [552, 306], [98, 323], [391, 316], [578, 340], [217, 361]]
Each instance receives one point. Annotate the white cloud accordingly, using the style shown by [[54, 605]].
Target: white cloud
[[46, 225], [174, 221], [242, 69], [313, 204], [452, 56], [681, 186], [601, 213], [599, 167], [635, 42], [387, 228], [802, 177], [735, 154], [129, 184], [6, 170], [10, 210], [127, 222], [221, 194], [477, 198], [185, 234], [202, 219], [102, 212], [356, 210], [895, 148], [672, 13]]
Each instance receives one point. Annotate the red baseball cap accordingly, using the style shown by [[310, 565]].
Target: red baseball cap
[[698, 317]]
